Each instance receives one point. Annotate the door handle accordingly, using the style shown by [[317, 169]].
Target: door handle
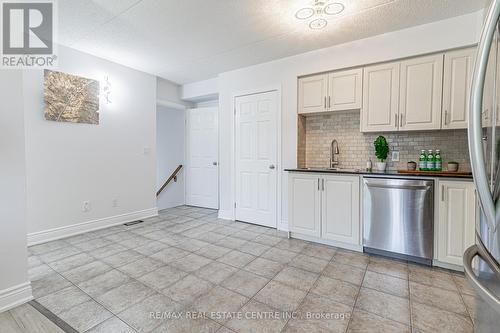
[[483, 291], [272, 167], [490, 209], [214, 163]]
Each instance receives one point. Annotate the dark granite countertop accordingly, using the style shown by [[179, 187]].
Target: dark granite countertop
[[379, 173]]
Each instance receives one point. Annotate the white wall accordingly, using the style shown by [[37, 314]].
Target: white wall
[[14, 283], [169, 94], [170, 145], [201, 90], [207, 104], [283, 73], [68, 163]]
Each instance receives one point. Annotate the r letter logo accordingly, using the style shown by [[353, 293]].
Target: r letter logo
[[27, 34]]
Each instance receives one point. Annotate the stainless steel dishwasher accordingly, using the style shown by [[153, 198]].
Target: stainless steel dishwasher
[[398, 217]]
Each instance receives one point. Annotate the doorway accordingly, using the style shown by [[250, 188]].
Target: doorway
[[170, 154], [256, 156], [202, 156]]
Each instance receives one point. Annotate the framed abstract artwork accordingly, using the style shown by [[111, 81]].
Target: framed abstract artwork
[[70, 98]]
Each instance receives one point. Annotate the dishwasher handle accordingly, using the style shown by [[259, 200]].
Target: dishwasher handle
[[399, 187]]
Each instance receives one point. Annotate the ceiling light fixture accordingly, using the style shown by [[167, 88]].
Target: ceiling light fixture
[[319, 12]]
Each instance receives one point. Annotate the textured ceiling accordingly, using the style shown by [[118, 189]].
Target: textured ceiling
[[189, 40]]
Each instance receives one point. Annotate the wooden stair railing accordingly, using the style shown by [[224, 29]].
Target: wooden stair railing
[[172, 176]]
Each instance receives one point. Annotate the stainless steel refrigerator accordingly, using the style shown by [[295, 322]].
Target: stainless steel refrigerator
[[482, 260]]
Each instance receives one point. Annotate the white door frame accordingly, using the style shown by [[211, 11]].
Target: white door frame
[[279, 173], [187, 152]]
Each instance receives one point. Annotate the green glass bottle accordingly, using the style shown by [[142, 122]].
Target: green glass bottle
[[430, 161], [439, 161], [422, 161]]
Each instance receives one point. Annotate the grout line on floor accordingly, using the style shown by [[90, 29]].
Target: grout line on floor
[[409, 301], [52, 317], [357, 296]]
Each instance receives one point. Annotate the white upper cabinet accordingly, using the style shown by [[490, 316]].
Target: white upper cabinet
[[335, 91], [380, 98], [457, 216], [313, 94], [345, 90], [458, 68], [420, 93]]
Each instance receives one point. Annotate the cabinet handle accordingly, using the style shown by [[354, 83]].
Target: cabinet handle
[[396, 119], [325, 102], [318, 184], [329, 102], [323, 184], [401, 120], [446, 117], [442, 193]]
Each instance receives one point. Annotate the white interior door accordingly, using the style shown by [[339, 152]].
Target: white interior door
[[202, 156], [256, 158]]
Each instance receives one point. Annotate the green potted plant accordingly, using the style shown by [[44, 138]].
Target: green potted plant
[[381, 152]]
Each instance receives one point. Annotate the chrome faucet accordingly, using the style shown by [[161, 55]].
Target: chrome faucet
[[334, 151]]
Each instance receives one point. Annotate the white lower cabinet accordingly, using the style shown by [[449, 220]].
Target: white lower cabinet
[[325, 207], [340, 209], [304, 203], [456, 221]]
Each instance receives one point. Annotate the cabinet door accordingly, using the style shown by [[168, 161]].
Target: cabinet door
[[457, 214], [345, 90], [420, 93], [340, 209], [304, 204], [313, 93], [458, 67], [380, 98]]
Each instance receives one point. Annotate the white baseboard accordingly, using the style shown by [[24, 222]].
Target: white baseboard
[[347, 246], [15, 296], [452, 267], [226, 215], [79, 228], [283, 226]]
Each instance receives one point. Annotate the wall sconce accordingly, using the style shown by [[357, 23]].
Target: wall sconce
[[107, 89]]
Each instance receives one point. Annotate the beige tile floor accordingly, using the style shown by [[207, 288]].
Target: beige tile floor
[[198, 273]]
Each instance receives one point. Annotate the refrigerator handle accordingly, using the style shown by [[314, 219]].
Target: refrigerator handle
[[482, 291], [474, 127]]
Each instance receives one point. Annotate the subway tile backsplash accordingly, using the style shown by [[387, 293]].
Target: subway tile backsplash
[[316, 132]]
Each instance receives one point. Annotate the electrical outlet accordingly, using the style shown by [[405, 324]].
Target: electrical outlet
[[395, 156], [114, 203], [86, 206]]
